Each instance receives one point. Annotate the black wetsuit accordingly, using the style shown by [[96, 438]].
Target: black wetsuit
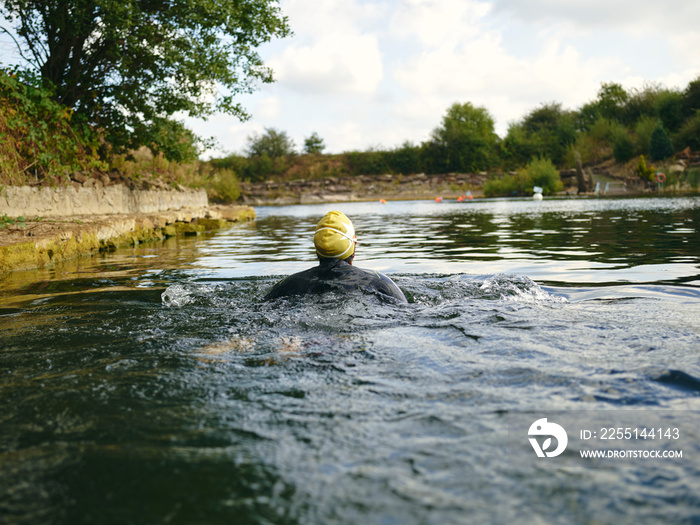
[[334, 275]]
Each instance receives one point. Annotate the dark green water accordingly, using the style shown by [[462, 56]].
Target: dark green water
[[153, 386]]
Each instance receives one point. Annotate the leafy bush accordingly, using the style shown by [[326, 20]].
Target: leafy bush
[[372, 162], [9, 222], [601, 130], [689, 134], [592, 145], [236, 163], [644, 128], [645, 171], [543, 173], [691, 97], [174, 140], [40, 136], [405, 159], [623, 145], [643, 102], [539, 172], [500, 186], [587, 148], [224, 187]]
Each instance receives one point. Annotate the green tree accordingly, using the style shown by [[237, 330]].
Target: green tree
[[272, 143], [643, 102], [691, 98], [669, 107], [610, 104], [644, 128], [689, 134], [546, 131], [125, 66], [313, 144], [268, 154], [466, 141], [612, 99], [622, 144], [660, 146]]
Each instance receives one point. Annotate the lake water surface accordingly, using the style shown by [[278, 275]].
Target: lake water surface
[[152, 385]]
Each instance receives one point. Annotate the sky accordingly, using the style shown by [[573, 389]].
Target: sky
[[376, 73], [368, 74]]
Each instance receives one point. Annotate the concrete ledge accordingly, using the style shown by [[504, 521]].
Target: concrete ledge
[[26, 201], [46, 242]]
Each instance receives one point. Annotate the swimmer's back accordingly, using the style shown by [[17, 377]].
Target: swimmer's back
[[334, 275]]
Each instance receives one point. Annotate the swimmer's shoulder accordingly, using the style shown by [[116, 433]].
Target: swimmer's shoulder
[[384, 284]]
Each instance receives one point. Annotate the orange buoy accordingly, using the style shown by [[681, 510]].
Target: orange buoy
[[438, 199], [660, 177], [382, 201]]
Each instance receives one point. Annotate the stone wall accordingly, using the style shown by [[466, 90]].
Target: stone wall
[[26, 201], [361, 188]]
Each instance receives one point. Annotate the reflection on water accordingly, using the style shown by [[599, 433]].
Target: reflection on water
[[126, 268], [153, 386], [557, 241]]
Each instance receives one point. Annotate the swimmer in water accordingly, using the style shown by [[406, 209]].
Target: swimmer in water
[[335, 243]]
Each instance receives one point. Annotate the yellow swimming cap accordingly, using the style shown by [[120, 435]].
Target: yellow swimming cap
[[335, 236]]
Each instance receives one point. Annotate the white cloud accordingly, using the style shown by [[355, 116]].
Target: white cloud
[[314, 17], [333, 51], [596, 14], [471, 64], [332, 64], [366, 73], [268, 108], [651, 23], [438, 23]]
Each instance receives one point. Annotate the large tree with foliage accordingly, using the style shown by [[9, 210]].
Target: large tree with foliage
[[660, 145], [609, 105], [313, 144], [465, 142], [128, 66], [273, 143], [546, 131]]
